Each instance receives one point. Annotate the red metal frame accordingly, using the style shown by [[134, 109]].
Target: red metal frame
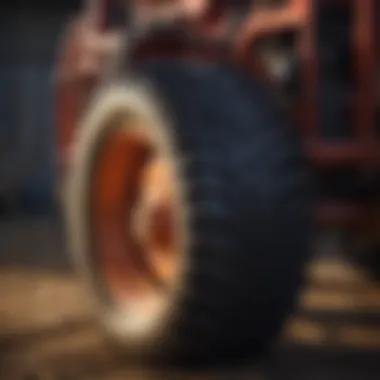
[[363, 149], [299, 15]]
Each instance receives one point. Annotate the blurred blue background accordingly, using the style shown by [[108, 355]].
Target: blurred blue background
[[29, 39]]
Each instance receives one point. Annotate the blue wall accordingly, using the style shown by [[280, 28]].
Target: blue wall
[[28, 43]]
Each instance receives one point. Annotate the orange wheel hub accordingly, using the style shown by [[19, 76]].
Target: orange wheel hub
[[133, 217]]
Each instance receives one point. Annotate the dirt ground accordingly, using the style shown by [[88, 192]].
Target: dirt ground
[[48, 330]]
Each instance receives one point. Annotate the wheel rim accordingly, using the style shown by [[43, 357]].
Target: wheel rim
[[133, 212]]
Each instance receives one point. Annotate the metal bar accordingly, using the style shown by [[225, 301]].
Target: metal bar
[[364, 45], [342, 153], [268, 22], [338, 213], [307, 51]]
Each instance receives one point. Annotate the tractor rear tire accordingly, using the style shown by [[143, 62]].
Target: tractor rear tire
[[243, 207]]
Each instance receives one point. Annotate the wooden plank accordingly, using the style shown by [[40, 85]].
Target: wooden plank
[[35, 300], [359, 300], [341, 335], [335, 272]]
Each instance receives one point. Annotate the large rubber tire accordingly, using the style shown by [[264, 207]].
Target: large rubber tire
[[243, 184]]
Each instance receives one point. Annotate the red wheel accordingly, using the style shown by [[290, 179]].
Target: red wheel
[[132, 214]]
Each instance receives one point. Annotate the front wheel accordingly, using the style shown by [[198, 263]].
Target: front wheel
[[188, 212]]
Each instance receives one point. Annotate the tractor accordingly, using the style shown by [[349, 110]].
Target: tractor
[[200, 154]]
